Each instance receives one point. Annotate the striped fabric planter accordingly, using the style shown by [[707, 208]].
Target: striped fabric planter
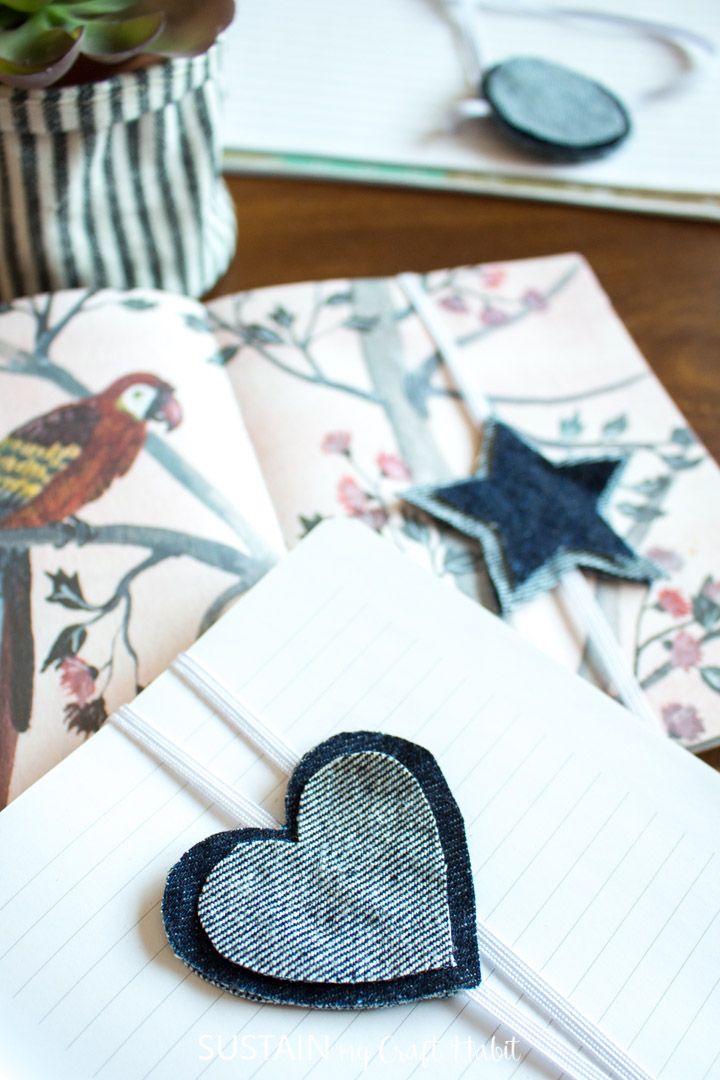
[[115, 183]]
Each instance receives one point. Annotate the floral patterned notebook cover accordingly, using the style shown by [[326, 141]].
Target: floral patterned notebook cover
[[338, 402]]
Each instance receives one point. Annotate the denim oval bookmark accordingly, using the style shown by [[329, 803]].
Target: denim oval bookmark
[[364, 898]]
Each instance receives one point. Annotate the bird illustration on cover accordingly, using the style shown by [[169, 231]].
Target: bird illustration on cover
[[50, 468]]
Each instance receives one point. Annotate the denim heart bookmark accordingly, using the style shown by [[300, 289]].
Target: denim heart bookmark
[[363, 898], [536, 521]]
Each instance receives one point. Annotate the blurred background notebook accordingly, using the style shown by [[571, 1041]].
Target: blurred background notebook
[[364, 92]]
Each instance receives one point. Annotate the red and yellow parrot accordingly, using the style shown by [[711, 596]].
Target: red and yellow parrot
[[49, 469]]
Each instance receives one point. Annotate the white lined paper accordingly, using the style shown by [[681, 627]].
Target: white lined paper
[[593, 848]]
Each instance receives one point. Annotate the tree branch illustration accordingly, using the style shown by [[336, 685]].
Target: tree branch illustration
[[418, 381], [162, 542], [384, 362], [260, 338]]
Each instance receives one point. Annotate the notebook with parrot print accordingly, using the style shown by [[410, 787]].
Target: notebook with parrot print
[[157, 456]]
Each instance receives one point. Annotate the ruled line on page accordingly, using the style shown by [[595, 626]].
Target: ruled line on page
[[116, 995], [144, 1020], [79, 881], [182, 787], [156, 855], [713, 919], [551, 836], [613, 870], [499, 791], [622, 922], [661, 930], [153, 907], [685, 1031], [96, 821], [575, 862], [181, 1036], [299, 629], [713, 1063], [313, 659]]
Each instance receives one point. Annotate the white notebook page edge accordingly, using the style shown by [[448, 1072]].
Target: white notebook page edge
[[271, 636]]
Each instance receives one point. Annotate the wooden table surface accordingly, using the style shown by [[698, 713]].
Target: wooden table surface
[[662, 274]]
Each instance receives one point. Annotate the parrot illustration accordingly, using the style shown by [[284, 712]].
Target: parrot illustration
[[50, 468]]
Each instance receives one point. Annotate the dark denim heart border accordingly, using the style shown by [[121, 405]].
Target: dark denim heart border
[[192, 945]]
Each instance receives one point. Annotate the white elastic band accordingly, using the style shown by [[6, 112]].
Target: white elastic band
[[536, 989], [581, 603], [462, 16], [237, 714], [579, 599], [540, 1038], [211, 689], [209, 786]]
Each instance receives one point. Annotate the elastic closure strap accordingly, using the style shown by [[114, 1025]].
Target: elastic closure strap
[[542, 1039], [243, 719], [547, 998], [209, 786]]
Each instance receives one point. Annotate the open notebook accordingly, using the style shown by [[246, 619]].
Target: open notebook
[[304, 402], [366, 92], [593, 842]]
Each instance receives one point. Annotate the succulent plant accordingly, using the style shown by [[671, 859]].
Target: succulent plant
[[40, 40]]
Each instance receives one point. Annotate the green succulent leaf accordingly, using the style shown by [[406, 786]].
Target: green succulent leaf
[[189, 28], [89, 9], [27, 7], [115, 40], [40, 40], [34, 55]]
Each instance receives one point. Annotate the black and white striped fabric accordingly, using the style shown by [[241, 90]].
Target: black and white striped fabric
[[116, 183]]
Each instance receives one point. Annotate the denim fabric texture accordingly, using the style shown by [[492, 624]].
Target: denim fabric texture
[[535, 520], [553, 111], [364, 899]]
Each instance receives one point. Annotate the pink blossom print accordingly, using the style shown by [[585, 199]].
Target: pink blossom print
[[682, 721], [685, 651], [351, 496], [78, 679], [393, 467], [336, 442], [674, 603]]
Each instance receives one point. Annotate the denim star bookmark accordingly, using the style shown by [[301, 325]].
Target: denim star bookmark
[[536, 521]]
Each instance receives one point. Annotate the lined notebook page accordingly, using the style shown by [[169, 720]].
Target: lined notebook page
[[375, 82], [593, 844]]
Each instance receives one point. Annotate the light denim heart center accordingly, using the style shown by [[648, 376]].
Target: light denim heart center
[[360, 896]]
